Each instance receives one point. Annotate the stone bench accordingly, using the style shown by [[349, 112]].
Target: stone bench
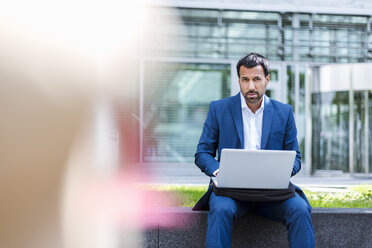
[[334, 227]]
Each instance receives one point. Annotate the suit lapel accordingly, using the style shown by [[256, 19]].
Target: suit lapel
[[236, 110], [266, 122]]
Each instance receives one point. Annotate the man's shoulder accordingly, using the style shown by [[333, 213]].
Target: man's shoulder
[[279, 105]]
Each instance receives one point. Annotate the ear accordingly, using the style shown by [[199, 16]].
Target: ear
[[267, 79]]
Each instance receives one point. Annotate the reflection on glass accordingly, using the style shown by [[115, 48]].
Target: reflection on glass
[[274, 75], [212, 33], [269, 93], [291, 86], [176, 100], [330, 128], [291, 96], [301, 118], [359, 132]]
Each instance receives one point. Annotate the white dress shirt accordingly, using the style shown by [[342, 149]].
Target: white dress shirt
[[252, 126], [252, 123]]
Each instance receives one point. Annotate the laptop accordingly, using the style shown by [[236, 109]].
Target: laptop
[[254, 169]]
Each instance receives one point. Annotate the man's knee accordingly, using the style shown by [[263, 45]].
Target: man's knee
[[226, 210], [224, 207], [297, 209], [299, 212]]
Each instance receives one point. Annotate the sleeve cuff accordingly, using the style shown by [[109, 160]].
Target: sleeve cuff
[[216, 172]]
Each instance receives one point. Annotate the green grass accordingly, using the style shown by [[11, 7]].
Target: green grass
[[355, 197], [182, 196]]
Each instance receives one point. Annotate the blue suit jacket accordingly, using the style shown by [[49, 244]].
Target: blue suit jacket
[[223, 128]]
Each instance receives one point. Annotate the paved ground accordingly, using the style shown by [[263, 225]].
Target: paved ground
[[189, 174]]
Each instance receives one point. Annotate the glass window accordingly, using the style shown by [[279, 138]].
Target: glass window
[[330, 129], [291, 98], [229, 33], [176, 100], [247, 15], [273, 75], [359, 137], [301, 121], [291, 86]]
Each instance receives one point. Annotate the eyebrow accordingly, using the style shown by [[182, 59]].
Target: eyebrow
[[253, 76]]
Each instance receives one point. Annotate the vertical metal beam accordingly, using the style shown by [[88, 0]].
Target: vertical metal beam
[[368, 56], [198, 40], [349, 45], [297, 96], [333, 46], [297, 91], [308, 123], [366, 133], [311, 28], [227, 40], [280, 38], [219, 18], [267, 33], [284, 83], [220, 32], [295, 27], [351, 125]]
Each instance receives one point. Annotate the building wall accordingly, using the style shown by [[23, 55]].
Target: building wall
[[198, 52]]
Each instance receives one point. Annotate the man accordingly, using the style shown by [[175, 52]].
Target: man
[[251, 120]]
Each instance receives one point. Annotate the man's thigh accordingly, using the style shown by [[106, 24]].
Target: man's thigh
[[223, 203], [281, 210]]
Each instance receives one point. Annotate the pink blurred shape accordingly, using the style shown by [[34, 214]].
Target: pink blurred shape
[[122, 201]]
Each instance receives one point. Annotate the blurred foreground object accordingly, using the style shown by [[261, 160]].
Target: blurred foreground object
[[68, 84]]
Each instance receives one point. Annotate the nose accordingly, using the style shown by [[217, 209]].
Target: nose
[[251, 85]]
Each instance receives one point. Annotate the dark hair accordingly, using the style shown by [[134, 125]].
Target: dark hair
[[253, 59]]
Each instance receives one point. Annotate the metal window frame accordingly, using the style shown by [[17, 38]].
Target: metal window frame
[[262, 7], [282, 80], [282, 87], [351, 126], [366, 133], [172, 60], [354, 54]]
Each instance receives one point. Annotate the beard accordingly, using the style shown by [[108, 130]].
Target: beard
[[252, 99]]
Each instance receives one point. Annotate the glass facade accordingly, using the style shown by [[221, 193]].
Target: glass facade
[[176, 101], [359, 131], [330, 124], [190, 61], [296, 98], [301, 111], [227, 34]]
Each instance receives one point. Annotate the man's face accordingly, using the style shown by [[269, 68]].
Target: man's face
[[253, 83]]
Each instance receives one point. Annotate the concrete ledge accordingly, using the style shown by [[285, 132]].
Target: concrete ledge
[[334, 227]]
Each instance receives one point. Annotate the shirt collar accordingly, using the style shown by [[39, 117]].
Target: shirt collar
[[245, 106]]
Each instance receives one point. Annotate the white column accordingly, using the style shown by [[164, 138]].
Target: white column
[[234, 89], [366, 133], [351, 125], [283, 82], [297, 91], [308, 123]]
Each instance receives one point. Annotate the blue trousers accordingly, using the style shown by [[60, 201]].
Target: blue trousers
[[294, 213]]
